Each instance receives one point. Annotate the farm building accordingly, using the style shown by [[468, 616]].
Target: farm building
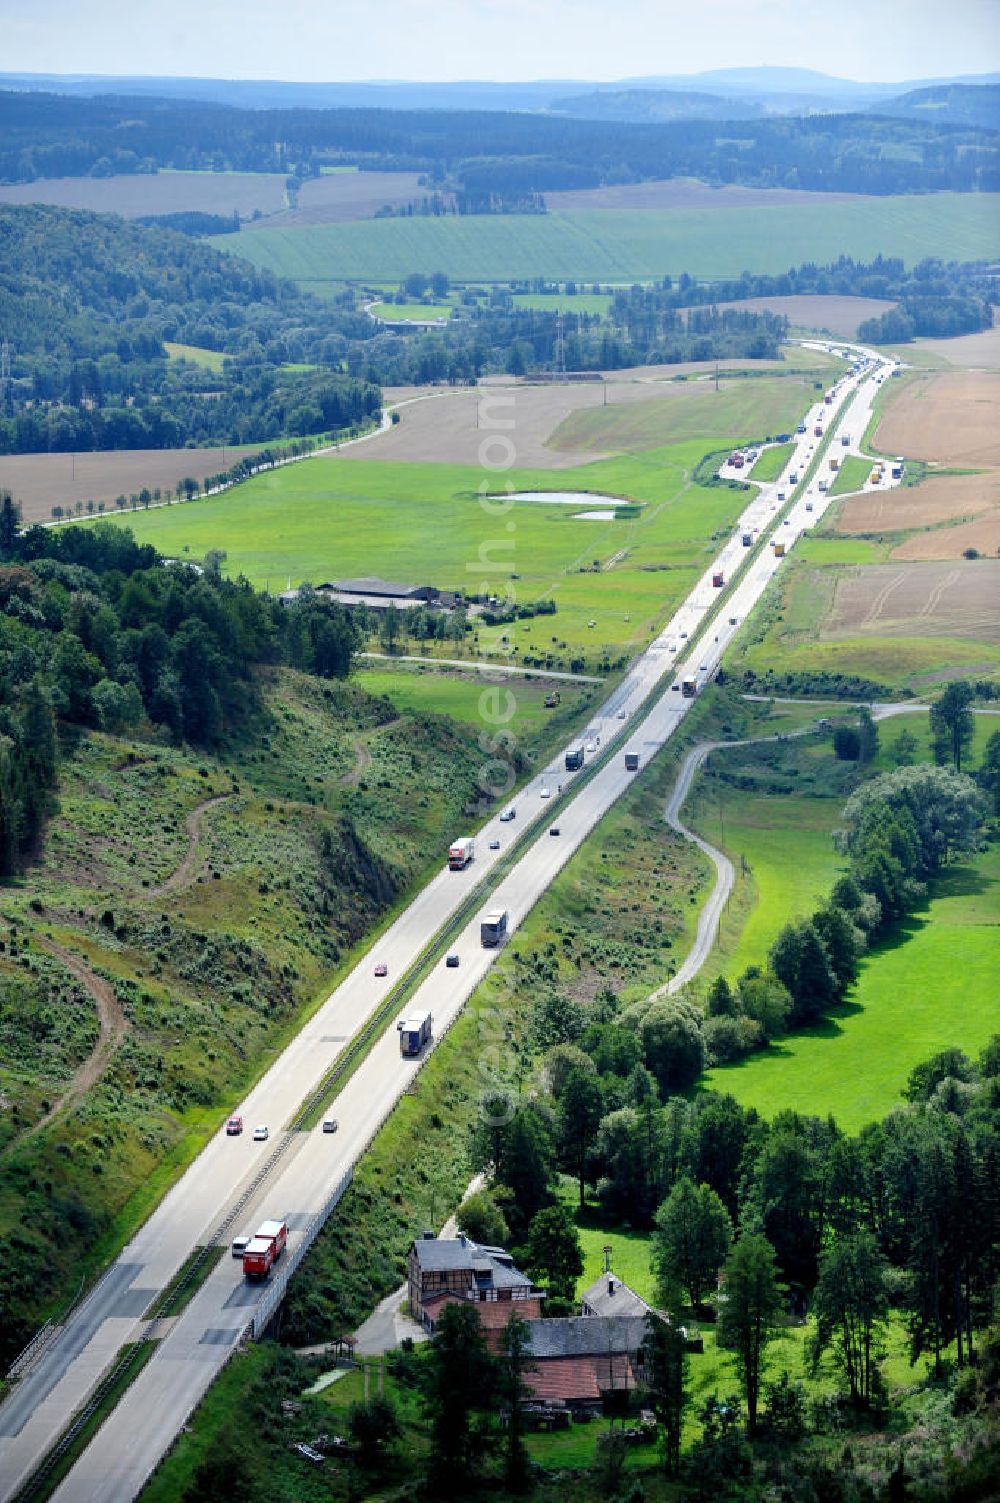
[[379, 594], [581, 1361], [441, 1269], [610, 1296], [577, 1362]]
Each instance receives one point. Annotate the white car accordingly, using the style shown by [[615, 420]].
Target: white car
[[591, 746], [545, 793], [260, 1134], [623, 713], [507, 816]]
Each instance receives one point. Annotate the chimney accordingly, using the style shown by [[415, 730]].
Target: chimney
[[611, 1285]]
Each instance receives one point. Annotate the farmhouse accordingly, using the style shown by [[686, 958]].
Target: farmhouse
[[577, 1362], [443, 1269]]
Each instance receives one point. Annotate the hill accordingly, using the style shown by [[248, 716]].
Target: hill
[[87, 331], [951, 104], [656, 105]]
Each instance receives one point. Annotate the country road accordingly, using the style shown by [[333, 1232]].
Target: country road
[[640, 714]]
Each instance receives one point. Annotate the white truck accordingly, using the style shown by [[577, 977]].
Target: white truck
[[461, 853]]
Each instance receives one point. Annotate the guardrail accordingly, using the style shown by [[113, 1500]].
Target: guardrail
[[276, 1290]]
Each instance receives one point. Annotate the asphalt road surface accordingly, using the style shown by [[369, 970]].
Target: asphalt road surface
[[308, 1164]]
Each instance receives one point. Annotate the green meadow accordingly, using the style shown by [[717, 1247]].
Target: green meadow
[[930, 986], [211, 360], [612, 580], [605, 245]]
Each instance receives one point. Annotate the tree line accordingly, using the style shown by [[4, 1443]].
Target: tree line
[[936, 298], [56, 135], [98, 631]]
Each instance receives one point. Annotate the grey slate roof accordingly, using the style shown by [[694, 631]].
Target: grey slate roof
[[585, 1335], [372, 585], [608, 1295], [487, 1266]]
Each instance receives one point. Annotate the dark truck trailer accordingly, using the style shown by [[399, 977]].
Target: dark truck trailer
[[574, 758], [414, 1034], [493, 928], [631, 761]]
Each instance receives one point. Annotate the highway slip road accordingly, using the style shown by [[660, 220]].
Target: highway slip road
[[309, 1164]]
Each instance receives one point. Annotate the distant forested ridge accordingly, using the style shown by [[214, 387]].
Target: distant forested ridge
[[490, 153], [86, 304], [98, 630]]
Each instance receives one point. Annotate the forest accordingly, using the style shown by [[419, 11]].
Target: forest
[[97, 630], [47, 135], [86, 331]]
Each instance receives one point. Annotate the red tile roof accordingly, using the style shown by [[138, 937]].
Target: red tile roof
[[571, 1379]]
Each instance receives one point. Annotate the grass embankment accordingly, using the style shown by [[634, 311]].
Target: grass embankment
[[219, 926], [626, 246], [926, 987]]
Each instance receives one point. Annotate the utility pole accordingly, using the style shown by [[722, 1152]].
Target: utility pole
[[560, 351]]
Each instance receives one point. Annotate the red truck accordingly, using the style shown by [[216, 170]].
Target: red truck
[[264, 1249], [718, 580], [818, 431]]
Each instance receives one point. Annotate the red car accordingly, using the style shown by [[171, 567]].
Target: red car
[[381, 969], [234, 1127]]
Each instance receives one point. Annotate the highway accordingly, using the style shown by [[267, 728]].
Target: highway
[[308, 1164]]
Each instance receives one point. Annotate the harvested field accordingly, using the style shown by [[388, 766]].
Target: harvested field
[[983, 534], [338, 197], [834, 315], [41, 481], [157, 193], [683, 193], [968, 351], [917, 600], [558, 427], [951, 417], [943, 498]]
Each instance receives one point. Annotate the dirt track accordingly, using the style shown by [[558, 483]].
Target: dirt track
[[185, 871], [112, 1024]]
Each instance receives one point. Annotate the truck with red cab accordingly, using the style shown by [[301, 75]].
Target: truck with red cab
[[264, 1249]]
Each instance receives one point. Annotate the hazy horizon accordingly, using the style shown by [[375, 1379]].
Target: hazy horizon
[[497, 41]]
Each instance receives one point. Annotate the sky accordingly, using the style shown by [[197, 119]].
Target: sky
[[339, 40]]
